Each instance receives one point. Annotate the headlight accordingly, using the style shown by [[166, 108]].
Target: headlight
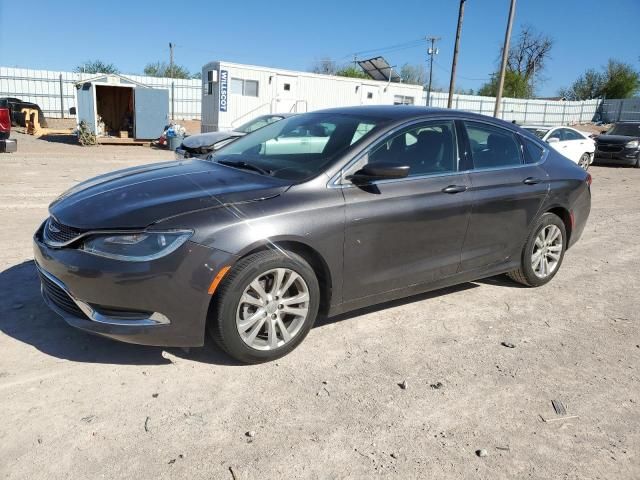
[[632, 144], [136, 247]]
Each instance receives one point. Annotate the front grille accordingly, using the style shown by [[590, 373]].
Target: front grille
[[59, 297], [59, 233], [610, 148]]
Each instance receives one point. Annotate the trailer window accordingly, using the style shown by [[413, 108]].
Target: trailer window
[[247, 88], [402, 100]]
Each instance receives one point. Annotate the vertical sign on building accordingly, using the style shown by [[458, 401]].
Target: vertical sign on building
[[224, 84]]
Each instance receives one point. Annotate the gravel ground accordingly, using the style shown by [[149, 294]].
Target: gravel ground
[[77, 406]]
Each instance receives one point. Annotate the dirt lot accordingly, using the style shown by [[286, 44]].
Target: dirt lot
[[77, 406]]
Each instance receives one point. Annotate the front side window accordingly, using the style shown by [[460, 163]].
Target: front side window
[[492, 147], [299, 147], [257, 123], [556, 134], [428, 148]]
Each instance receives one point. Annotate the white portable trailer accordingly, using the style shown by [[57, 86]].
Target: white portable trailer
[[233, 93]]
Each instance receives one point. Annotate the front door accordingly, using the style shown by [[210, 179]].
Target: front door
[[406, 231], [507, 195]]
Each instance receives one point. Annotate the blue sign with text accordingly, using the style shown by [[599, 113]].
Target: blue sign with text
[[224, 86]]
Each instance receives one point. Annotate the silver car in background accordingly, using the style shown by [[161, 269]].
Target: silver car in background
[[201, 145]]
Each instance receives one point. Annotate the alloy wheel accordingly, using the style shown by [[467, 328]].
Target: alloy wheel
[[584, 161], [547, 251], [272, 309]]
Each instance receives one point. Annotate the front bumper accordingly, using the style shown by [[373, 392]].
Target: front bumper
[[162, 302], [623, 157]]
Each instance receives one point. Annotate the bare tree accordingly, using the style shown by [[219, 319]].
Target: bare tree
[[325, 66], [528, 54], [413, 74]]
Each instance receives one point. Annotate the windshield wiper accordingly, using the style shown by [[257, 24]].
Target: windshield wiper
[[245, 165]]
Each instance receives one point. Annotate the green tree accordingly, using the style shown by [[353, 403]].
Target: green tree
[[588, 85], [162, 69], [621, 80], [617, 80], [516, 85], [351, 71], [96, 66]]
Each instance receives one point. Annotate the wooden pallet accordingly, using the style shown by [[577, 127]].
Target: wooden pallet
[[122, 141]]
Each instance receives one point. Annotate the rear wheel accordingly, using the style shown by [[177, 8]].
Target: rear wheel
[[584, 161], [265, 306], [543, 252]]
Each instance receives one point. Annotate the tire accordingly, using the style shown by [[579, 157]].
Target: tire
[[535, 277], [584, 161], [238, 303]]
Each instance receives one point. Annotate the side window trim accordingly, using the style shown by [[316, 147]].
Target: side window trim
[[340, 179]]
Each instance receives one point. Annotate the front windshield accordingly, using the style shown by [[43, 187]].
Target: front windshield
[[625, 129], [299, 147], [257, 123], [539, 132]]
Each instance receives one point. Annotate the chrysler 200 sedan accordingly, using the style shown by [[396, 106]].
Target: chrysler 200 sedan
[[255, 242]]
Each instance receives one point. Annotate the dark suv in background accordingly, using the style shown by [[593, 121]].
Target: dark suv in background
[[620, 145]]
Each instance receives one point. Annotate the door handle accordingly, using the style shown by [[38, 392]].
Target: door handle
[[454, 189], [531, 181]]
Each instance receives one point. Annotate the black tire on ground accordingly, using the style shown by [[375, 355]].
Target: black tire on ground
[[525, 274], [222, 325]]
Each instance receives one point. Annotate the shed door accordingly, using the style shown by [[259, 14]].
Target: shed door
[[86, 109], [151, 112], [287, 94]]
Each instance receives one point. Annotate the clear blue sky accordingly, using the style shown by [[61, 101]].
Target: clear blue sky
[[292, 34]]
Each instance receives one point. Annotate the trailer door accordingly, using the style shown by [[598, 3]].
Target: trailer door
[[151, 112], [287, 94]]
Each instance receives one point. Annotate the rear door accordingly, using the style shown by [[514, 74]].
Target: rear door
[[507, 195], [577, 145], [151, 112], [406, 231]]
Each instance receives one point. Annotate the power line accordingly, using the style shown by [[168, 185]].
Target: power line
[[398, 46]]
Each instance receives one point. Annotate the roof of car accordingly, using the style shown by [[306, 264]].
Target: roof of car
[[401, 112]]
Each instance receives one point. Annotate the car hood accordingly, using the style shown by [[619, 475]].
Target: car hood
[[615, 139], [140, 196], [208, 139]]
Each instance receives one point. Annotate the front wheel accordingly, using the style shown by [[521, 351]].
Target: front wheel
[[584, 161], [265, 306], [543, 252]]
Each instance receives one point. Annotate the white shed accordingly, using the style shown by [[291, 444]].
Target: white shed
[[233, 93]]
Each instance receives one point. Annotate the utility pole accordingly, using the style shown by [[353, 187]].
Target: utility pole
[[505, 55], [456, 48], [431, 51], [170, 59]]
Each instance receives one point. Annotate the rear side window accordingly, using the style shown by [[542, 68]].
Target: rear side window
[[533, 151], [427, 148], [492, 147]]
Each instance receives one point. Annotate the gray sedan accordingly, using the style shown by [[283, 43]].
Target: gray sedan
[[363, 206]]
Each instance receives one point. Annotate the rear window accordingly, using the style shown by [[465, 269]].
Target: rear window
[[492, 147]]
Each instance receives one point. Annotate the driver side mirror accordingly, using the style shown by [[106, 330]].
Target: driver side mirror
[[379, 171], [553, 140]]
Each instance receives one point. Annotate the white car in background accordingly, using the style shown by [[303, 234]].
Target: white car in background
[[577, 146]]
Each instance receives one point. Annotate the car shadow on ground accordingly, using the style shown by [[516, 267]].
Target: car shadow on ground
[[25, 317]]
